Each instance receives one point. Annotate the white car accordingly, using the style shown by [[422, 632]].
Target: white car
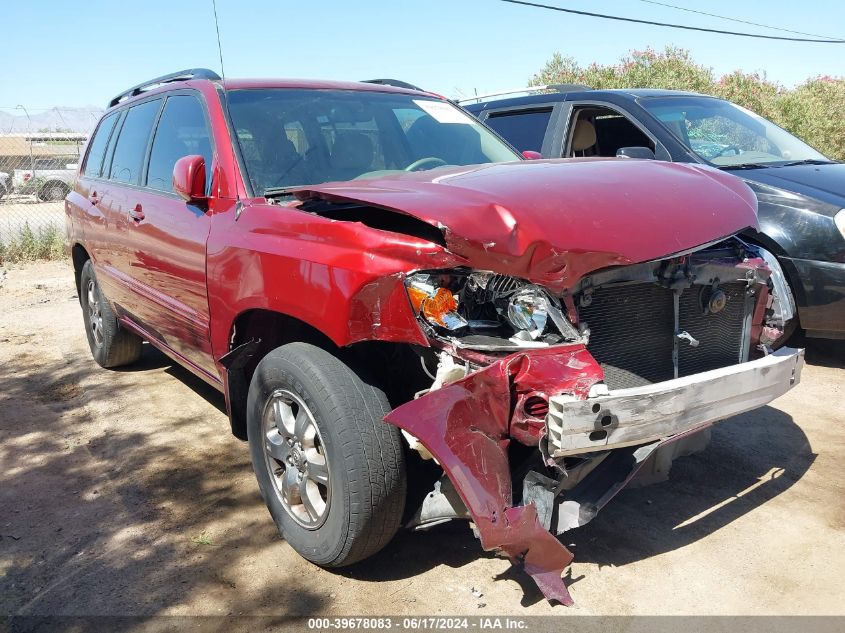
[[50, 179]]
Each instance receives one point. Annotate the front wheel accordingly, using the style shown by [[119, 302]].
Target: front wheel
[[330, 470]]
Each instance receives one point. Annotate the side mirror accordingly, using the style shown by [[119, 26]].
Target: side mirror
[[530, 154], [635, 152], [189, 178]]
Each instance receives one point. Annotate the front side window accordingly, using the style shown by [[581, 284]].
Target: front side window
[[128, 158], [525, 129], [97, 150], [181, 131], [726, 135], [292, 137]]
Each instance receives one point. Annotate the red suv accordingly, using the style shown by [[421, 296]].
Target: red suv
[[374, 279]]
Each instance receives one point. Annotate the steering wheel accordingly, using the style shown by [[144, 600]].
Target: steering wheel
[[736, 150], [422, 162]]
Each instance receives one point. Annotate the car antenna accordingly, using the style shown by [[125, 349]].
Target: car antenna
[[238, 204]]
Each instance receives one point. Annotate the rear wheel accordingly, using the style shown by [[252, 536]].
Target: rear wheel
[[53, 191], [111, 345], [331, 471]]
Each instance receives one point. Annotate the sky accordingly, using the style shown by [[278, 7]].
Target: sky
[[60, 53]]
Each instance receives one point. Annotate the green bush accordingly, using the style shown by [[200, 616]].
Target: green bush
[[813, 111], [28, 245]]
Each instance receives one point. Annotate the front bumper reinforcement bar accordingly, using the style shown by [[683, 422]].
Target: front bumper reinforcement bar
[[628, 417]]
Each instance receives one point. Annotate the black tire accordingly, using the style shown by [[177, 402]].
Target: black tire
[[111, 345], [363, 454], [53, 191]]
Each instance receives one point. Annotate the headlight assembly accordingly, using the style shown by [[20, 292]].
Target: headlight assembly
[[485, 310], [528, 311], [436, 304], [839, 220]]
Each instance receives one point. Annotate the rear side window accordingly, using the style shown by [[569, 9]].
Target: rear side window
[[181, 131], [525, 130], [128, 158], [94, 161]]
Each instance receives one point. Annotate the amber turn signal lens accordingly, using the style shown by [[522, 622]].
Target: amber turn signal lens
[[417, 297], [435, 308]]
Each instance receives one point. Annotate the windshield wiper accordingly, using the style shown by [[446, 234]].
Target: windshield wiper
[[744, 166], [807, 161], [280, 192]]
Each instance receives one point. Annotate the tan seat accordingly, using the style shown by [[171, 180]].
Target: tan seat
[[583, 137]]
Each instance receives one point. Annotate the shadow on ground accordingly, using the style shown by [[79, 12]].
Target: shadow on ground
[[106, 520], [110, 519], [825, 353]]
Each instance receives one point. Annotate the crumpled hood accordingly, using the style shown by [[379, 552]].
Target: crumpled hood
[[552, 221]]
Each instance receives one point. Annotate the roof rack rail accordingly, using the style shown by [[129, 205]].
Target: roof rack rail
[[393, 82], [181, 75], [561, 88]]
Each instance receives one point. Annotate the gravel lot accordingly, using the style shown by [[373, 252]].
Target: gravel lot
[[122, 492]]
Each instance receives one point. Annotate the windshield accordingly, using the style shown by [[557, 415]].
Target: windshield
[[291, 137], [727, 135]]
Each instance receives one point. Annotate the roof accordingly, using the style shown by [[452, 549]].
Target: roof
[[305, 84], [550, 97], [315, 84], [653, 92]]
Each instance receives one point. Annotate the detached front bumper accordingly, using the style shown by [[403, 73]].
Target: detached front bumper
[[627, 417], [468, 424]]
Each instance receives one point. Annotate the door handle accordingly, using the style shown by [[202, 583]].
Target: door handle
[[136, 213], [94, 198]]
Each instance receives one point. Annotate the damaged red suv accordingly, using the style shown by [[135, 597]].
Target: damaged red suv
[[385, 291]]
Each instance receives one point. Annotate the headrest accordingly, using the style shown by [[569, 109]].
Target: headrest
[[352, 150], [584, 136]]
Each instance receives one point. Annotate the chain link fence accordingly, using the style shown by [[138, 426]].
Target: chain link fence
[[39, 153]]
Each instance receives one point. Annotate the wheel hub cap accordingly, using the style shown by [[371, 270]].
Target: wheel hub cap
[[95, 316], [296, 459]]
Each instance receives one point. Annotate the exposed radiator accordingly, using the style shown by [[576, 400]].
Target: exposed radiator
[[632, 332]]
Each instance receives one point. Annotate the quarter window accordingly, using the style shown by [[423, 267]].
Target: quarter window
[[128, 158], [94, 162], [181, 131], [525, 129]]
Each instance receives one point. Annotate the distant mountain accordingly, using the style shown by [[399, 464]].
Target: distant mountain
[[58, 119]]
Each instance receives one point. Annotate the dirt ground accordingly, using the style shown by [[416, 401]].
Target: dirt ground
[[122, 492]]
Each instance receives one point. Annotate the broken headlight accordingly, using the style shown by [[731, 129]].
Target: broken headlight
[[528, 311], [485, 309]]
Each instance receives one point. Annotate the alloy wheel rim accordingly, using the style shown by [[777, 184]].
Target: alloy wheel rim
[[95, 315], [295, 457]]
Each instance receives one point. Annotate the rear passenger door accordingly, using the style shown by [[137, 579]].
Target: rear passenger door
[[123, 167], [526, 128], [166, 236], [89, 197]]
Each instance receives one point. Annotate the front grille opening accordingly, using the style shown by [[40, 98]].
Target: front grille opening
[[632, 332], [536, 407]]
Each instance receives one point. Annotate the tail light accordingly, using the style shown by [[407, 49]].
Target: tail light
[[26, 177]]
